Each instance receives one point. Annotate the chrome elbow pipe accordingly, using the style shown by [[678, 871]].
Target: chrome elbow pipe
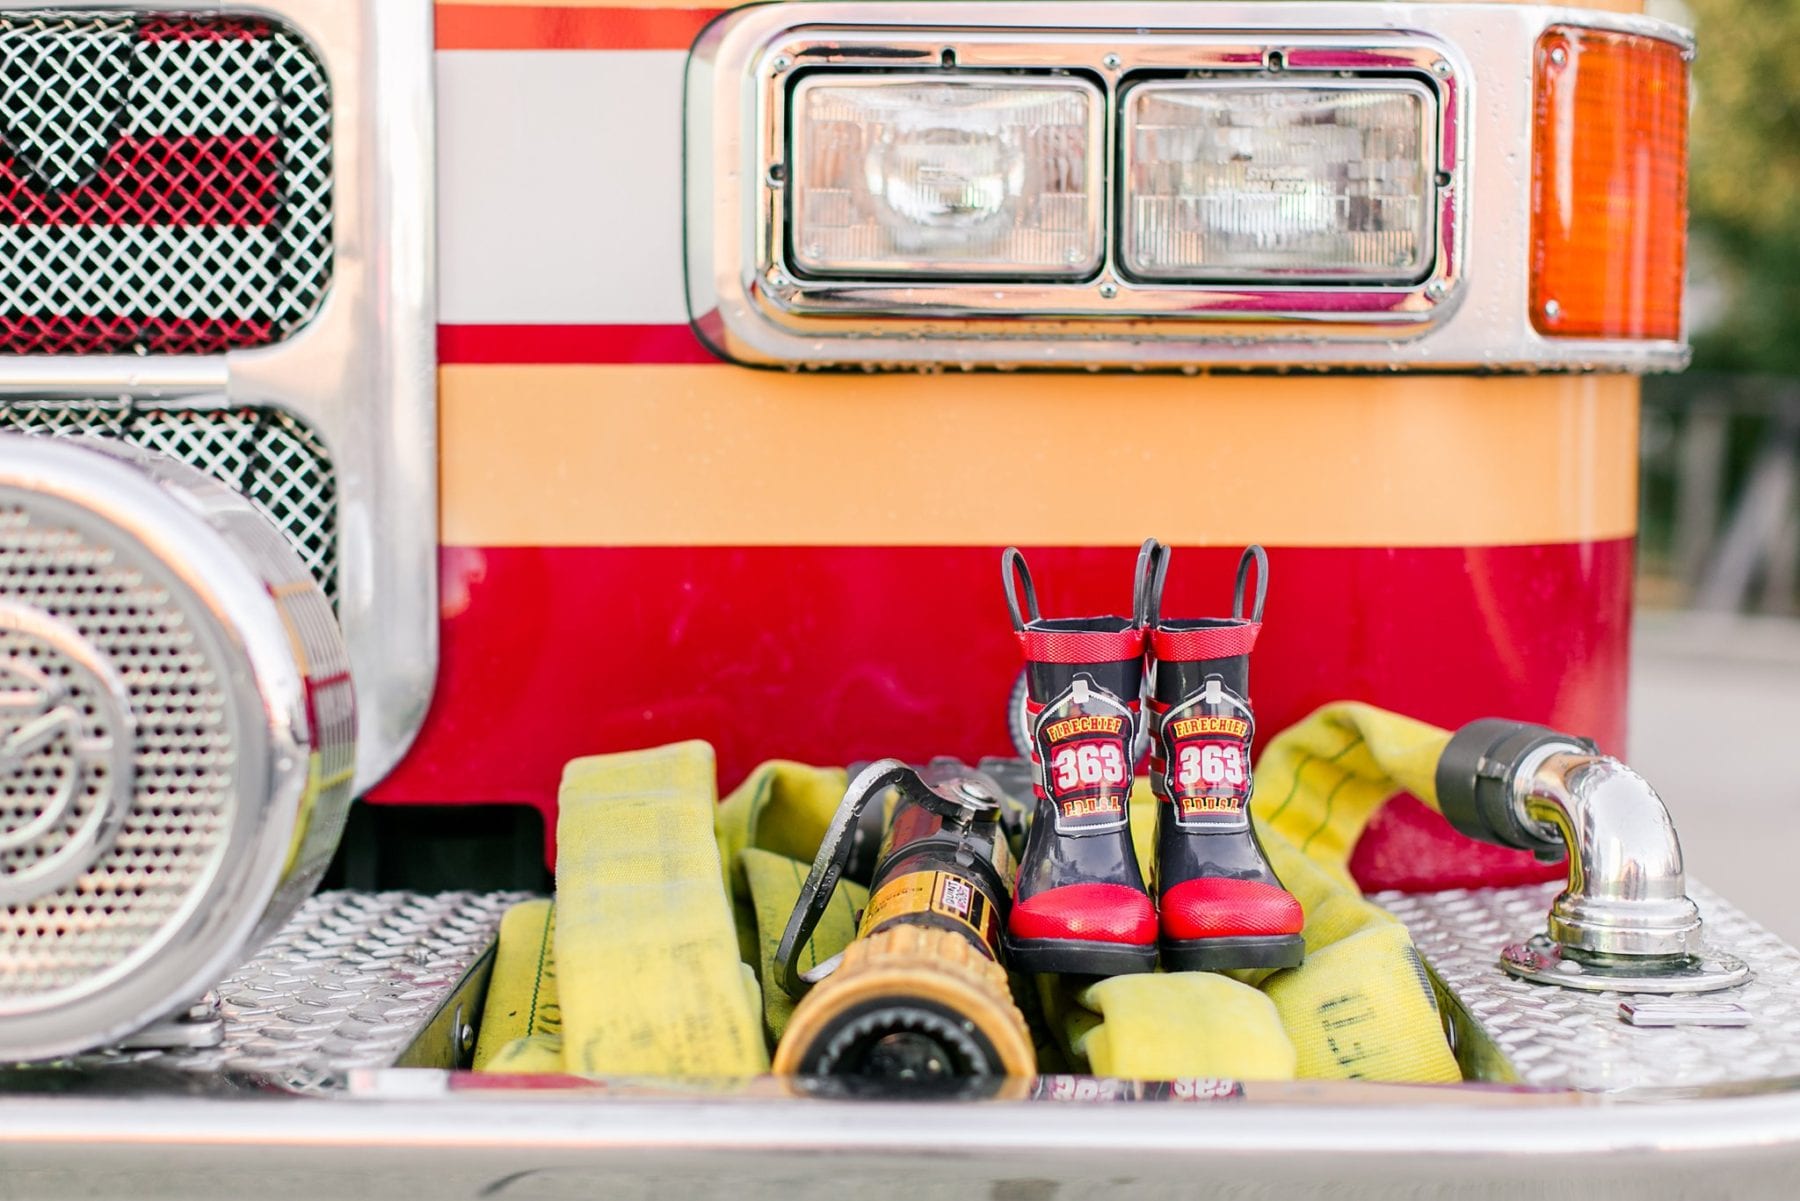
[[1624, 912], [1627, 892]]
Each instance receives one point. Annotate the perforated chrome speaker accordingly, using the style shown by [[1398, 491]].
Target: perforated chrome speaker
[[177, 738]]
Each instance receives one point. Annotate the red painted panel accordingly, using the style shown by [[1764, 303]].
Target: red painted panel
[[560, 27], [539, 344], [831, 654]]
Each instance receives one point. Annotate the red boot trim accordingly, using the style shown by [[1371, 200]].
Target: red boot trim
[[1214, 907], [1087, 912], [1081, 646], [1207, 642]]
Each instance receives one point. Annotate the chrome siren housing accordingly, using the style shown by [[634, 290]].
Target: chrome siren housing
[[177, 739]]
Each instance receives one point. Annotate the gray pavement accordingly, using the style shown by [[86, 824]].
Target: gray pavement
[[1715, 715]]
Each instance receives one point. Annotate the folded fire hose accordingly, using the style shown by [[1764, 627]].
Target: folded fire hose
[[665, 900]]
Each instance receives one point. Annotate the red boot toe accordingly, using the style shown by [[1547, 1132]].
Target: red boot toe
[[1217, 907], [1107, 913]]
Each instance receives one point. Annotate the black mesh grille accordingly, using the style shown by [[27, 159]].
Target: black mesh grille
[[271, 457]]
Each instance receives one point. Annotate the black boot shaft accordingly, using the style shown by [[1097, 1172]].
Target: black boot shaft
[[1080, 905], [1085, 717], [1221, 904]]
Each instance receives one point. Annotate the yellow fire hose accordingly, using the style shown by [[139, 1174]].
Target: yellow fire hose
[[665, 897]]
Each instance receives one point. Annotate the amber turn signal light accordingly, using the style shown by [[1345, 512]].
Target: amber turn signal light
[[1609, 185]]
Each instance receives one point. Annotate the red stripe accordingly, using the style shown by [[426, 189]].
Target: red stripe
[[224, 180], [201, 29], [551, 27], [1081, 646], [1207, 642], [835, 654], [570, 344], [125, 335]]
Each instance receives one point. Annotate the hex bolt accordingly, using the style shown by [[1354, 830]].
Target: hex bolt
[[1111, 62], [1108, 291], [780, 63], [1441, 68], [1437, 289]]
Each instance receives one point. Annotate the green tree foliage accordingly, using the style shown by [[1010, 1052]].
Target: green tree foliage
[[1745, 177]]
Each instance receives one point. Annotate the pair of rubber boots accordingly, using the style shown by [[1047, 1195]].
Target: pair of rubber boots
[[1080, 906]]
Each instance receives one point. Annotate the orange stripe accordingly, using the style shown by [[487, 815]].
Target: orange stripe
[[567, 27], [679, 455]]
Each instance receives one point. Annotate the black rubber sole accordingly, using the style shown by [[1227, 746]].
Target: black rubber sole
[[1077, 957], [1227, 954]]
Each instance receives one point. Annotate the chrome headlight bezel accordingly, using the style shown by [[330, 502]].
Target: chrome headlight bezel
[[1430, 181], [749, 304], [1081, 262]]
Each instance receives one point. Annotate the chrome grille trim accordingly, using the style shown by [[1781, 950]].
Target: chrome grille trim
[[362, 372]]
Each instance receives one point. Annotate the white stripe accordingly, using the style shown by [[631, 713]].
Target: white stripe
[[154, 270], [203, 87], [559, 187]]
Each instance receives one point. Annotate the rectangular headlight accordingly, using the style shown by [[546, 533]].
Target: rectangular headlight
[[1279, 181], [897, 175]]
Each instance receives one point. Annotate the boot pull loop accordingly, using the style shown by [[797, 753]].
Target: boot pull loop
[[1147, 585], [1260, 557], [1013, 572]]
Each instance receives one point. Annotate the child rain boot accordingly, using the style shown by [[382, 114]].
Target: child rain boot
[[1080, 906], [1220, 902]]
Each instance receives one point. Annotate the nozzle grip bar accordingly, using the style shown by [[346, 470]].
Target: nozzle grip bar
[[829, 864]]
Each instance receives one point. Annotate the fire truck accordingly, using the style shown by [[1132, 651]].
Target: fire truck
[[402, 400]]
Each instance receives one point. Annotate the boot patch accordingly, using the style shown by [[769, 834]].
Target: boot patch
[[1206, 776], [1083, 740]]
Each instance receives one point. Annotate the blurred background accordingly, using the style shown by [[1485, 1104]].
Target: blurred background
[[1715, 704]]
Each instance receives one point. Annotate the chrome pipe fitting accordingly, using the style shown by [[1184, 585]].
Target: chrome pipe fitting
[[1624, 922], [1627, 892]]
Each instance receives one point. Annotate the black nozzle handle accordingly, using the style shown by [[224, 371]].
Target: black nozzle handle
[[1475, 775], [828, 867]]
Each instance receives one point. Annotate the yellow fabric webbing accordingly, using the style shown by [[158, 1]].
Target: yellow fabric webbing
[[522, 1011], [774, 883], [782, 808], [648, 902], [649, 982], [1320, 781], [1159, 1026]]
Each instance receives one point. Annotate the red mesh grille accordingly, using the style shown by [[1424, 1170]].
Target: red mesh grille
[[165, 183]]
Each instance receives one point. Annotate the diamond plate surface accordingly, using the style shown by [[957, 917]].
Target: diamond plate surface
[[349, 983], [1560, 1038]]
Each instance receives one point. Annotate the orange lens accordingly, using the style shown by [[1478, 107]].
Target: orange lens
[[1609, 185]]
